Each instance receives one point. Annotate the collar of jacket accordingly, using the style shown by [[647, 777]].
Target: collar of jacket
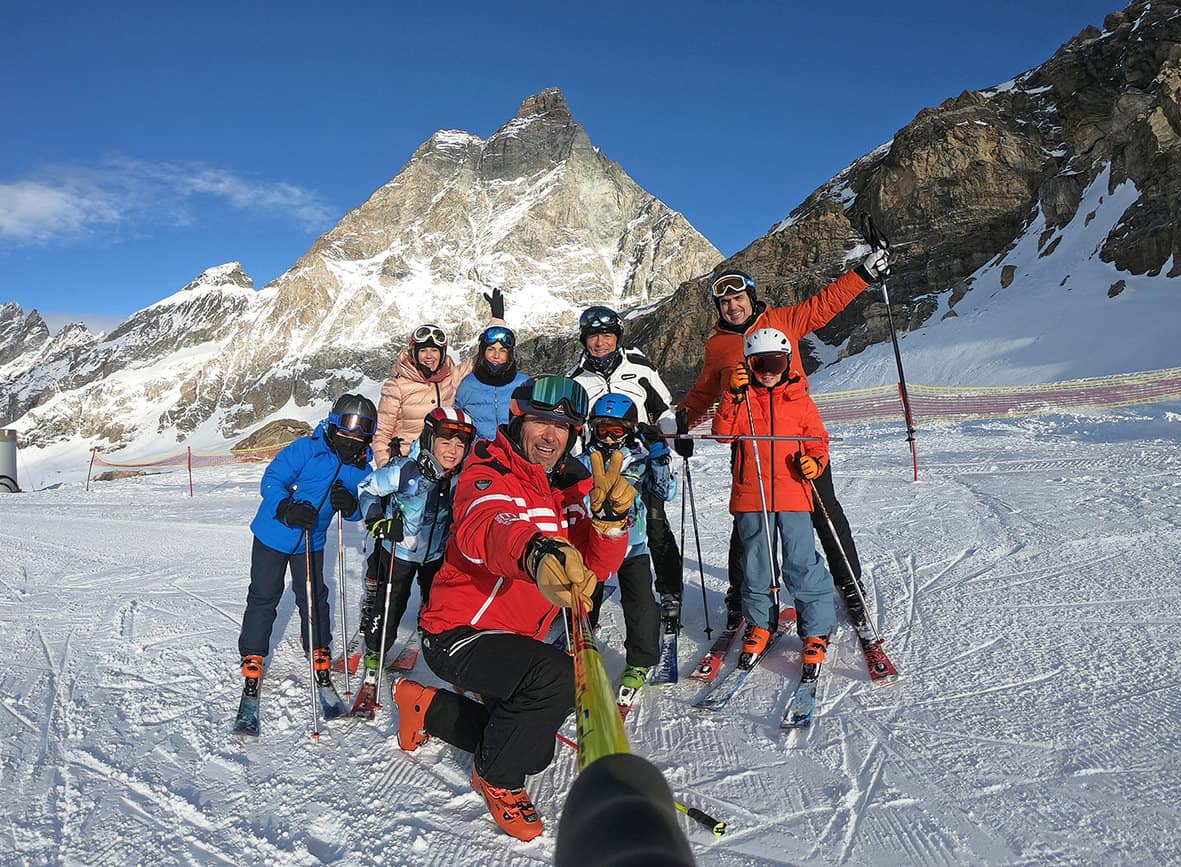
[[568, 473], [588, 363]]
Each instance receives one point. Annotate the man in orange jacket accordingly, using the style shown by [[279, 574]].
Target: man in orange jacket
[[739, 313]]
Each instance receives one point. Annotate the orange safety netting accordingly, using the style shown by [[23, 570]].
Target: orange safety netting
[[200, 460]]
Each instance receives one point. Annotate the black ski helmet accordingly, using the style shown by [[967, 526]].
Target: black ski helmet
[[354, 414], [599, 320]]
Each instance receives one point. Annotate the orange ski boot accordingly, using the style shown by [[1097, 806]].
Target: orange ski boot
[[412, 700], [511, 808]]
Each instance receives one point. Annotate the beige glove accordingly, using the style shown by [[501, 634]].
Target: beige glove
[[557, 568], [612, 497]]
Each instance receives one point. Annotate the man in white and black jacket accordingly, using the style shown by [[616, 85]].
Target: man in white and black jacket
[[606, 367]]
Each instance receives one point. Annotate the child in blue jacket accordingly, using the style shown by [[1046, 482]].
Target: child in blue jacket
[[306, 483], [613, 426], [407, 507]]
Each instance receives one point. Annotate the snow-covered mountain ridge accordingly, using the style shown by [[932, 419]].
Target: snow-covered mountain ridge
[[535, 209]]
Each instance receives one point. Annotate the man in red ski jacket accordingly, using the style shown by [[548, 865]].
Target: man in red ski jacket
[[741, 313], [522, 545]]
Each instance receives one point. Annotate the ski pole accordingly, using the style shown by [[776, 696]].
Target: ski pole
[[738, 437], [385, 620], [844, 558], [700, 817], [879, 241], [311, 622], [697, 539], [344, 629], [750, 417]]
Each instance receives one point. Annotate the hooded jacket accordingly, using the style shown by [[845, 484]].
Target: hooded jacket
[[408, 396], [784, 410], [501, 501], [724, 349], [305, 470], [425, 505]]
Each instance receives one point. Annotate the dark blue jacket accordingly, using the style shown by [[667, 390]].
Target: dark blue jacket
[[304, 470]]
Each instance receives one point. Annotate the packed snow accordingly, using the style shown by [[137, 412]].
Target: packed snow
[[1025, 587]]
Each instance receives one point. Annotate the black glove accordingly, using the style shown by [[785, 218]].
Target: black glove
[[396, 447], [297, 513], [387, 528], [495, 303], [684, 447], [342, 499]]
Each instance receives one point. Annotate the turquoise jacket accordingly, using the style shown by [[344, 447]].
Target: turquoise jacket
[[425, 505]]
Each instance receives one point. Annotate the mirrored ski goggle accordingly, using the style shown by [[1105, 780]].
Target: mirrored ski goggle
[[598, 317], [430, 334], [352, 423], [768, 362], [450, 430], [500, 334], [560, 398], [730, 284], [610, 428]]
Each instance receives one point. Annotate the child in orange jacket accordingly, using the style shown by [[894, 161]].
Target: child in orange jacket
[[779, 482]]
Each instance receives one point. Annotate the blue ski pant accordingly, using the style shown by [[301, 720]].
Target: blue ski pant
[[268, 573], [803, 576]]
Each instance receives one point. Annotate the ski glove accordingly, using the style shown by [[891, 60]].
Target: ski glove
[[653, 441], [396, 447], [808, 466], [297, 513], [684, 447], [556, 567], [495, 303], [342, 499], [875, 266], [381, 527], [612, 497], [739, 382]]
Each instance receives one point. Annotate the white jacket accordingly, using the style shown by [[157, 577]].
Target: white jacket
[[634, 376]]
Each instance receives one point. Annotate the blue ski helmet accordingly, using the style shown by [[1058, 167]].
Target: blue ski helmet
[[617, 406]]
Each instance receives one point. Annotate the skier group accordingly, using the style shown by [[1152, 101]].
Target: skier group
[[506, 497]]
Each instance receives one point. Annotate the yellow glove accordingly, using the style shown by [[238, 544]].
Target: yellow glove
[[739, 381], [612, 497], [557, 568], [808, 466]]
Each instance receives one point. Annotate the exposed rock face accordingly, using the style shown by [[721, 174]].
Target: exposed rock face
[[275, 433], [958, 185], [535, 209]]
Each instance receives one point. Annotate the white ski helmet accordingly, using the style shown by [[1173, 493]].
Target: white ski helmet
[[766, 340]]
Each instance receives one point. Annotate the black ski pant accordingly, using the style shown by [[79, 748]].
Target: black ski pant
[[377, 578], [641, 614], [666, 556], [268, 573], [848, 584], [527, 687]]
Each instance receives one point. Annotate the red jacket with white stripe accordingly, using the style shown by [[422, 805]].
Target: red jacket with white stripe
[[501, 501]]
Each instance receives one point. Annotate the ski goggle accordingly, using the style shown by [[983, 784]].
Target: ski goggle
[[557, 398], [731, 284], [599, 319], [610, 428], [351, 422], [768, 362], [449, 430], [500, 334], [430, 334]]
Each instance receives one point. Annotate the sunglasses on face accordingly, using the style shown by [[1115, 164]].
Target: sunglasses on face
[[768, 362], [352, 423], [731, 284], [430, 333]]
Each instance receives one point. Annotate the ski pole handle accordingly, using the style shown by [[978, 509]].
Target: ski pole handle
[[703, 819]]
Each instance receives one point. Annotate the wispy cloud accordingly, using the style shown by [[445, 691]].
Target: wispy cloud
[[64, 202]]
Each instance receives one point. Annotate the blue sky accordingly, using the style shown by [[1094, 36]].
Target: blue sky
[[145, 142]]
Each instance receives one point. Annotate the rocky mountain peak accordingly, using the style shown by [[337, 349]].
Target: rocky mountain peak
[[228, 275]]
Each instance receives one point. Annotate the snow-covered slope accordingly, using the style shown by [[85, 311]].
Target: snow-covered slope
[[1023, 587]]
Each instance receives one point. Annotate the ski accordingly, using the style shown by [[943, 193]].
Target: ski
[[407, 657], [331, 704], [365, 706], [719, 695], [666, 665], [881, 669], [711, 663], [246, 724], [802, 704], [353, 652]]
